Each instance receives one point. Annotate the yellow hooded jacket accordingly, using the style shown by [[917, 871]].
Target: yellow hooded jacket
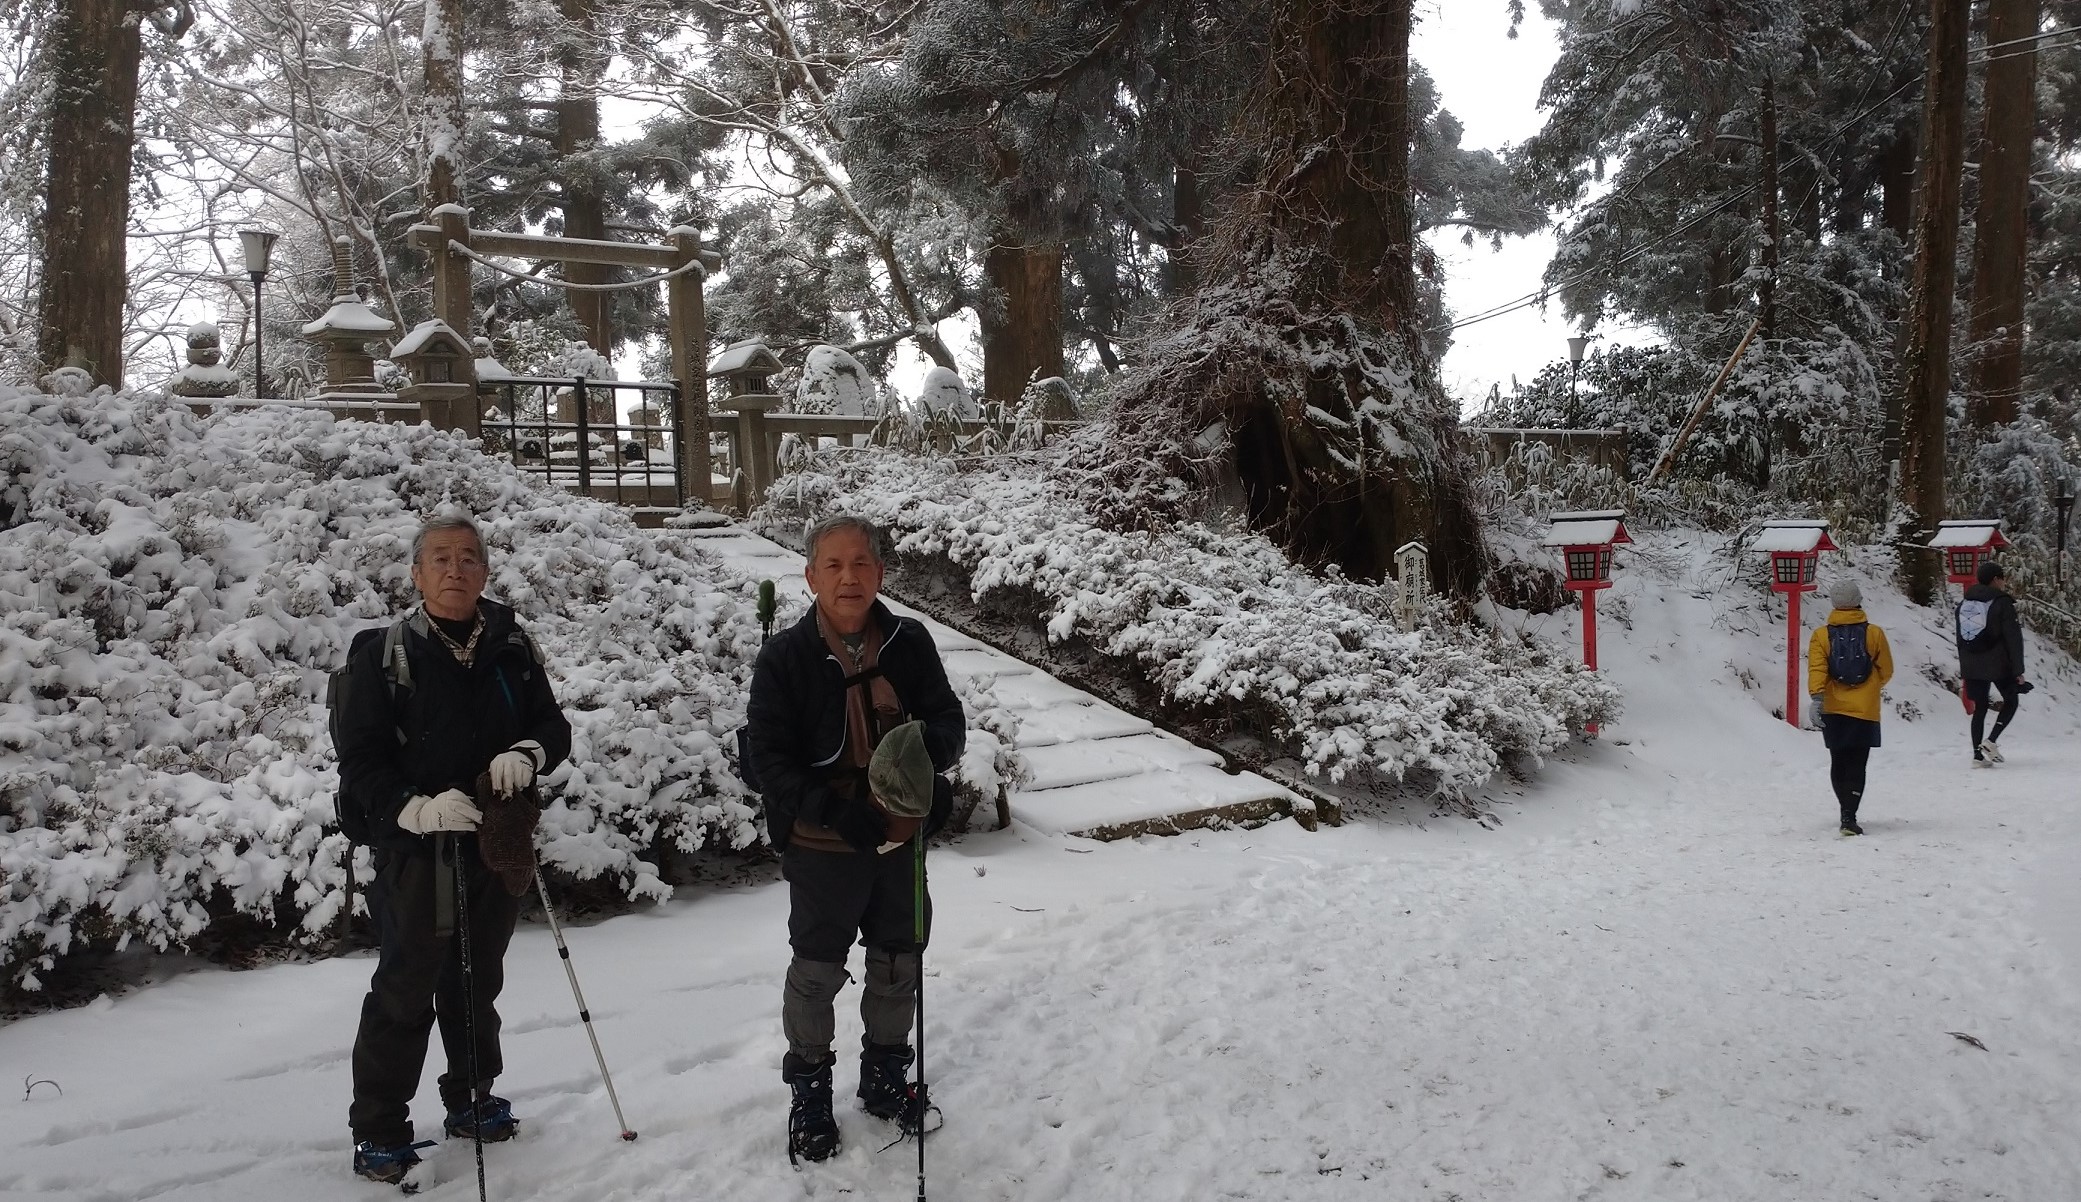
[[1855, 701]]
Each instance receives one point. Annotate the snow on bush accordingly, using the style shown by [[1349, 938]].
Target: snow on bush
[[173, 591], [1220, 620]]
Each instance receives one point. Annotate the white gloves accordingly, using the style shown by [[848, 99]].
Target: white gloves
[[450, 811], [512, 771], [1813, 711]]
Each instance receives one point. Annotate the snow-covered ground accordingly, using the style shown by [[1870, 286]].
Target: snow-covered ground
[[1655, 973]]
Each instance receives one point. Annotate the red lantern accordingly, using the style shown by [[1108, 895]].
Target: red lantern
[[1586, 540], [1965, 545], [1795, 549]]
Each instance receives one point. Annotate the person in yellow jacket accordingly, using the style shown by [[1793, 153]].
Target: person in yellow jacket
[[1847, 664]]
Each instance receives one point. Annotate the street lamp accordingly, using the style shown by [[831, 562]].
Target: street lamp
[[259, 244], [2065, 504], [1576, 346]]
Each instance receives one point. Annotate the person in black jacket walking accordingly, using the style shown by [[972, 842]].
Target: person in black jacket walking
[[1990, 656], [823, 695], [479, 702]]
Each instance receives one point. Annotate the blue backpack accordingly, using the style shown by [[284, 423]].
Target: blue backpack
[[1849, 659]]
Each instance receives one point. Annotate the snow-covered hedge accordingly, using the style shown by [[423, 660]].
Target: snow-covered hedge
[[173, 591], [1219, 620]]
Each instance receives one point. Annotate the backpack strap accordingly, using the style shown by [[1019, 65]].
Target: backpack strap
[[397, 667]]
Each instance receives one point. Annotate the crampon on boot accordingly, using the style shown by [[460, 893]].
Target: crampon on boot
[[812, 1131]]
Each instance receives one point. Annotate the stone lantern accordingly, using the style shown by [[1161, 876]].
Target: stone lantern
[[747, 365], [205, 375], [443, 368], [346, 329]]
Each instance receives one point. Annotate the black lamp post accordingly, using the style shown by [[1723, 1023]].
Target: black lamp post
[[259, 244], [2064, 502], [1576, 346]]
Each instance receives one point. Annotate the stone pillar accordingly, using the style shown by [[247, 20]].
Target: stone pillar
[[689, 333]]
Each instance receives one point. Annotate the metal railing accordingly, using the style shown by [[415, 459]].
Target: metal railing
[[545, 426]]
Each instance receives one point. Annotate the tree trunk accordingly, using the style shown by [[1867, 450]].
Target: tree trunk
[[441, 36], [1773, 233], [1897, 185], [585, 204], [2001, 231], [96, 46], [1926, 362], [1022, 341]]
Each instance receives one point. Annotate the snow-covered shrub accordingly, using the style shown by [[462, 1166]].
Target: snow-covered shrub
[[1220, 622], [173, 591], [943, 392], [834, 382]]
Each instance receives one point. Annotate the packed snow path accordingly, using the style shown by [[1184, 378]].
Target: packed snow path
[[1094, 766], [1661, 976]]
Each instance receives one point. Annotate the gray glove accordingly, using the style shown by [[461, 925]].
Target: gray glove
[[449, 811], [1813, 711]]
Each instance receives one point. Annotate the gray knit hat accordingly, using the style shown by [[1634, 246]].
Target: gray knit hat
[[1844, 594], [901, 772]]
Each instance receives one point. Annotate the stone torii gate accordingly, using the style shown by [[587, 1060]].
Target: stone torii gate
[[681, 265]]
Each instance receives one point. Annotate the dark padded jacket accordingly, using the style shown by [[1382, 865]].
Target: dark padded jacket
[[1998, 653], [454, 720], [795, 724]]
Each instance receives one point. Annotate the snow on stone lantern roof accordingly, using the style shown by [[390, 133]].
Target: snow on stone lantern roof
[[1586, 528], [750, 354], [1797, 535], [424, 333], [1972, 532], [488, 366], [348, 316]]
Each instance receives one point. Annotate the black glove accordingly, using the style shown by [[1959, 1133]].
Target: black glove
[[861, 824], [2023, 686]]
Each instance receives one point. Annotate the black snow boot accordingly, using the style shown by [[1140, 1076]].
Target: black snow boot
[[884, 1087], [1850, 826], [812, 1132]]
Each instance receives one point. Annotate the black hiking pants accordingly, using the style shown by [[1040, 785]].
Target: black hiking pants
[[1976, 691], [833, 899], [418, 982], [1846, 767]]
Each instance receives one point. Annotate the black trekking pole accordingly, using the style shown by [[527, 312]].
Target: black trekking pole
[[918, 933], [563, 950], [469, 1004]]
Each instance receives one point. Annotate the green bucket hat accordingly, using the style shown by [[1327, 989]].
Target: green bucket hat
[[901, 772]]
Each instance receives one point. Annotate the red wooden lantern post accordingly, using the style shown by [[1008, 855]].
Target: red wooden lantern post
[[1586, 540], [1965, 545], [1795, 548]]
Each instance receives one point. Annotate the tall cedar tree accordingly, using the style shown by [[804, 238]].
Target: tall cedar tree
[[2000, 231], [1926, 361], [96, 49], [1304, 340]]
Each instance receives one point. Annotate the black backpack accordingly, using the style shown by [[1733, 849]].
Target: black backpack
[[397, 671], [1849, 659]]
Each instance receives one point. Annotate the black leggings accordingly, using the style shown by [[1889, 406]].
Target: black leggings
[[1976, 692], [1846, 773]]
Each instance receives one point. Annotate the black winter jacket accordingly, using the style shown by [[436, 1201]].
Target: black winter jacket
[[1998, 653], [454, 721], [795, 722]]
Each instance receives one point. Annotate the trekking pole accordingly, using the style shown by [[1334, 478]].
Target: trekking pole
[[469, 1003], [918, 932], [563, 951]]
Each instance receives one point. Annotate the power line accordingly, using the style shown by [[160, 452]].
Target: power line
[[2029, 37]]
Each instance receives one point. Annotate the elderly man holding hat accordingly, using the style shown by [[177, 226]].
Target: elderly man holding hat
[[850, 726], [1847, 666], [1990, 657]]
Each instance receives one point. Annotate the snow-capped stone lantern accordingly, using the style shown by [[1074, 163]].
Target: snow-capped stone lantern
[[1795, 549], [746, 365], [1966, 544], [346, 329], [1413, 578], [443, 367], [205, 375], [1586, 539]]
